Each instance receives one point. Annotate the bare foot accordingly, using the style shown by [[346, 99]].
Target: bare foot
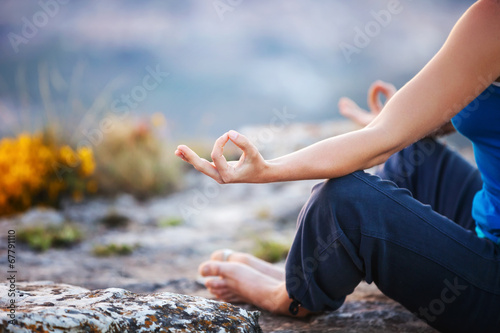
[[260, 265], [239, 282]]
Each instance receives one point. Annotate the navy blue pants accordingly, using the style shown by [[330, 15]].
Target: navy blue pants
[[410, 231]]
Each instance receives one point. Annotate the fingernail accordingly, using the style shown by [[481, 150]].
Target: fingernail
[[233, 135], [205, 270]]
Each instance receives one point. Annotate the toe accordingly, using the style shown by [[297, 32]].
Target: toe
[[222, 255], [216, 283], [217, 255], [209, 268], [218, 268]]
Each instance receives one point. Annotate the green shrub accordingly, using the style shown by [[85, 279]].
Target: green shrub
[[170, 222], [271, 251], [113, 249], [42, 238]]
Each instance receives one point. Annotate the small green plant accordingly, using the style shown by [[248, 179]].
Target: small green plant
[[113, 249], [170, 222], [271, 250], [42, 238]]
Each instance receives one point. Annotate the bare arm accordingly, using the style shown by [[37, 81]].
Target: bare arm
[[461, 70], [349, 109]]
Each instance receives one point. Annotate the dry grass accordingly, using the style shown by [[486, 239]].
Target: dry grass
[[132, 158]]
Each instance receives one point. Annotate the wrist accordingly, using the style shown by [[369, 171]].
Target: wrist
[[273, 171]]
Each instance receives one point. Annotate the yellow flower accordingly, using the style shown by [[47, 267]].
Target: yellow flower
[[30, 169], [68, 156], [87, 166]]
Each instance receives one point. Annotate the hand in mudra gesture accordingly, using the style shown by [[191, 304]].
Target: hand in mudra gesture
[[250, 168], [349, 109]]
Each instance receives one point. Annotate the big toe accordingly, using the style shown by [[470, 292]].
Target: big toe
[[218, 268], [209, 268]]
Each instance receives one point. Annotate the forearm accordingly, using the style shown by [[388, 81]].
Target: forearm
[[333, 157], [338, 156]]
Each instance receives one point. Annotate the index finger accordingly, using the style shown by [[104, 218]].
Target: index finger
[[200, 164]]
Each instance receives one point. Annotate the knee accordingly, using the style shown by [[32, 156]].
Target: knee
[[342, 188], [332, 200], [353, 189], [349, 201]]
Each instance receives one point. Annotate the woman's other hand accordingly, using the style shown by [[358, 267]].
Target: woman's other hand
[[349, 109]]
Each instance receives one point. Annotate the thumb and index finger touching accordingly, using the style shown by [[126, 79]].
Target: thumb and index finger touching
[[220, 166]]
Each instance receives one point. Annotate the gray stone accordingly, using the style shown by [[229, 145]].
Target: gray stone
[[49, 307], [41, 217]]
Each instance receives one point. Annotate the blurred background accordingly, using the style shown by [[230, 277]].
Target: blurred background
[[94, 95], [229, 62]]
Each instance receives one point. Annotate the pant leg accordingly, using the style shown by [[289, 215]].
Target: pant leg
[[437, 176], [362, 227]]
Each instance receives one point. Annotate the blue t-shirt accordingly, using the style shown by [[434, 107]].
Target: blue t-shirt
[[480, 123]]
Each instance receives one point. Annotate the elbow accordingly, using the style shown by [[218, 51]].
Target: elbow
[[386, 145], [392, 149], [383, 157], [379, 159]]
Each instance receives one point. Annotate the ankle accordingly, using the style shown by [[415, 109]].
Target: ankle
[[279, 300], [283, 301]]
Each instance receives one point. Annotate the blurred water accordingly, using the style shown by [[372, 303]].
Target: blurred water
[[230, 62]]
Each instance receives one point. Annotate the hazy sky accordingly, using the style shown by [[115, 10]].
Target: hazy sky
[[229, 63]]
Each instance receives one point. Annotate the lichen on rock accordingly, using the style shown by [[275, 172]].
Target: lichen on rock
[[48, 307]]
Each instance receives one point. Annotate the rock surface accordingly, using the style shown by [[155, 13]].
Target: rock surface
[[48, 307]]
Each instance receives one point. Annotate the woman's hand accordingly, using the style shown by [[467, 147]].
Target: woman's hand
[[250, 168], [349, 109]]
